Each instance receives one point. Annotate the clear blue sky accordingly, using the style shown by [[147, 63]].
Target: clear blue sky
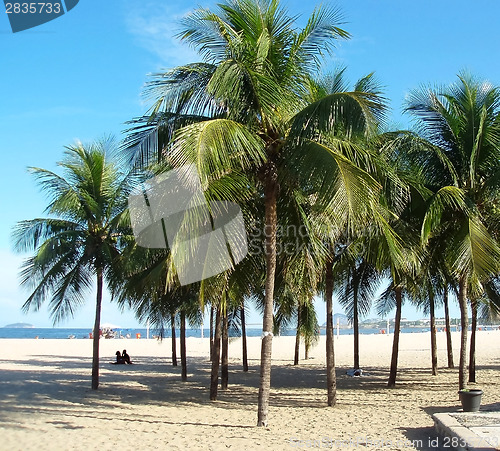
[[80, 77]]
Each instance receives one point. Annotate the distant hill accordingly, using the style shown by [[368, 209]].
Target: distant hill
[[19, 326], [343, 321]]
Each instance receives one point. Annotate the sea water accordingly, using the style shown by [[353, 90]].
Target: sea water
[[61, 333]]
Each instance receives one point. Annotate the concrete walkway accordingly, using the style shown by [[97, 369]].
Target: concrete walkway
[[471, 431]]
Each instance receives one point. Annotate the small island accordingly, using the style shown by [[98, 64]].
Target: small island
[[19, 326]]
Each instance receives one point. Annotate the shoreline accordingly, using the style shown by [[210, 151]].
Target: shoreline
[[84, 333]]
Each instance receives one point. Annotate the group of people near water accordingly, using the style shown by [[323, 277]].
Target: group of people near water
[[122, 357]]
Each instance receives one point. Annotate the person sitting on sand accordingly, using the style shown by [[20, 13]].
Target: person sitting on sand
[[126, 357], [119, 359]]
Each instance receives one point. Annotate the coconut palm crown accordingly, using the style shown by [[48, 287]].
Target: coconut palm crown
[[246, 109], [80, 242], [461, 162]]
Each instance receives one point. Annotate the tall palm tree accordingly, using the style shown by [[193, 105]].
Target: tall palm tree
[[360, 281], [485, 307], [244, 106], [461, 123], [335, 131], [82, 239], [430, 281], [393, 297]]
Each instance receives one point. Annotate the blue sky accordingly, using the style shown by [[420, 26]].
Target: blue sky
[[80, 77]]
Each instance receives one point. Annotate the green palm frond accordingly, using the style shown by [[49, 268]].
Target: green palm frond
[[216, 146], [473, 251], [358, 279], [319, 35], [85, 235], [347, 113], [182, 91], [448, 197]]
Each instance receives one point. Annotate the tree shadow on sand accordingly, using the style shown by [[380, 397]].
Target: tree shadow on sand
[[43, 380]]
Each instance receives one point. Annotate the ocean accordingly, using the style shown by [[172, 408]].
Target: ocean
[[61, 333]]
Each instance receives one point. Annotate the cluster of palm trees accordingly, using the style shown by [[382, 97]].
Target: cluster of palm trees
[[332, 199]]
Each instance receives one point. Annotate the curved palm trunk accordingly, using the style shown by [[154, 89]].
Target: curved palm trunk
[[331, 382], [214, 375], [464, 323], [225, 348], [395, 344], [355, 321], [244, 339], [183, 346], [449, 344], [174, 344], [472, 354], [434, 358], [270, 196], [297, 339], [97, 327]]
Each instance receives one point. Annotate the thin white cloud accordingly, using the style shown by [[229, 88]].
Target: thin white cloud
[[155, 25]]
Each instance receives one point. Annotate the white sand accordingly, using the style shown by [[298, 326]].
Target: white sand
[[46, 402]]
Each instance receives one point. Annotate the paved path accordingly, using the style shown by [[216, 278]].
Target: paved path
[[471, 431]]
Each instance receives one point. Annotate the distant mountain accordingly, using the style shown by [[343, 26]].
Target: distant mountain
[[343, 321], [19, 326], [372, 320]]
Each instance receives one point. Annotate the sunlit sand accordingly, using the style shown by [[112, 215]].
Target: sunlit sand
[[47, 403]]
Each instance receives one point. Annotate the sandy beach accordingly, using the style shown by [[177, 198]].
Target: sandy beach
[[46, 402]]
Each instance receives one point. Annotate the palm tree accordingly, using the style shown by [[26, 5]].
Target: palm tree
[[82, 239], [485, 307], [231, 112], [143, 286], [430, 281], [360, 280], [449, 344], [335, 131], [244, 350], [462, 126], [393, 297]]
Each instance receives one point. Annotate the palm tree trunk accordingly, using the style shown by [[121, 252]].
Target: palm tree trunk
[[174, 344], [270, 199], [449, 344], [355, 321], [472, 355], [97, 327], [395, 344], [214, 376], [464, 324], [307, 346], [211, 332], [297, 339], [434, 357], [331, 382], [225, 345], [183, 346], [244, 339]]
